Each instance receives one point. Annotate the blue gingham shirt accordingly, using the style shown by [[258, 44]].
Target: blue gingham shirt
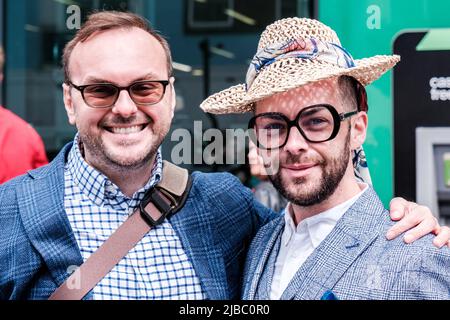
[[156, 268]]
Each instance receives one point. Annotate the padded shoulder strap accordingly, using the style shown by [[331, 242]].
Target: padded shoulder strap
[[175, 184], [174, 179]]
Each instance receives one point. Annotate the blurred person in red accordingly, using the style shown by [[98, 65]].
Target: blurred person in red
[[21, 148]]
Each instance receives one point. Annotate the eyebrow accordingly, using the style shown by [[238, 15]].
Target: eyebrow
[[310, 112], [94, 80]]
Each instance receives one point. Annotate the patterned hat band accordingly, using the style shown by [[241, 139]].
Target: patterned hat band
[[309, 48]]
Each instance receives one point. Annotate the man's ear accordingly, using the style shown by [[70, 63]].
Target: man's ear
[[68, 103], [359, 130]]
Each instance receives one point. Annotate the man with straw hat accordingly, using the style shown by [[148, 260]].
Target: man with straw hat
[[310, 113]]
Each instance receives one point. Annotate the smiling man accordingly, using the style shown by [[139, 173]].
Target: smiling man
[[119, 93], [310, 115], [119, 138]]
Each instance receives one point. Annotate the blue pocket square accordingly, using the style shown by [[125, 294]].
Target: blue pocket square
[[329, 295]]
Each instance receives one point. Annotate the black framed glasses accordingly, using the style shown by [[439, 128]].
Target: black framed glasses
[[317, 123], [105, 95]]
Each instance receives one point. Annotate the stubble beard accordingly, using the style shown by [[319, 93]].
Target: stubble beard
[[104, 156]]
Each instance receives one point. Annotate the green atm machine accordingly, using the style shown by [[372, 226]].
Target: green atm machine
[[433, 170], [422, 118]]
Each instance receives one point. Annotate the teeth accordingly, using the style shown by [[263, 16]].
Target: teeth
[[128, 130]]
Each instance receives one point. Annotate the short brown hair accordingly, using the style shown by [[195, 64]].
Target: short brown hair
[[2, 59], [110, 20], [353, 93]]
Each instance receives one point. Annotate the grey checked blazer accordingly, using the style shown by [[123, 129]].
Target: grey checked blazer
[[355, 261]]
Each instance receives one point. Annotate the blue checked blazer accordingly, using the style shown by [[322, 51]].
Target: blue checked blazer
[[37, 244], [355, 261]]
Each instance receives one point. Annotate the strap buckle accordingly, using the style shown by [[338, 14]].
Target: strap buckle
[[164, 208]]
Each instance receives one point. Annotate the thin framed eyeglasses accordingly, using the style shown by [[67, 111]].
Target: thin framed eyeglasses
[[105, 95], [316, 123]]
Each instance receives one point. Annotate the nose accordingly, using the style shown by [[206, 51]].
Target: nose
[[124, 105], [296, 143]]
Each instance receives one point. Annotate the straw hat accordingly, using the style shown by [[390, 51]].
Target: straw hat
[[291, 53]]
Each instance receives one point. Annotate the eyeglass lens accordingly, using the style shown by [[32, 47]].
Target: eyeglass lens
[[105, 95], [272, 130]]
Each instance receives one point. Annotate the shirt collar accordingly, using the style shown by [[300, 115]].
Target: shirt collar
[[319, 225], [102, 191]]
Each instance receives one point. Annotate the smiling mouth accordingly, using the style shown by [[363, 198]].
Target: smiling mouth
[[126, 130], [299, 167]]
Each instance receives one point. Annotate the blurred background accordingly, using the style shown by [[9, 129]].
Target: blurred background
[[212, 41]]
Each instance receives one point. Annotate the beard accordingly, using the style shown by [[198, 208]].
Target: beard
[[95, 145], [303, 193]]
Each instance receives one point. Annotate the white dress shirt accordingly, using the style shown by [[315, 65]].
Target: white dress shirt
[[297, 243]]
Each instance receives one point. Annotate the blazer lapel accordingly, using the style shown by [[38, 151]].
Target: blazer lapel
[[41, 208], [354, 232], [261, 262]]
